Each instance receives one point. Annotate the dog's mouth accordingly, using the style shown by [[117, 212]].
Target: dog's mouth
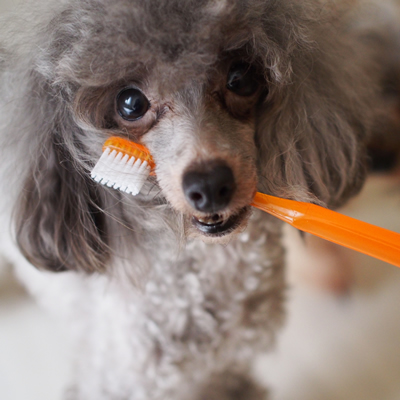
[[217, 225]]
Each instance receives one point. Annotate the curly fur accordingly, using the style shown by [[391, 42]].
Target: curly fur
[[156, 312]]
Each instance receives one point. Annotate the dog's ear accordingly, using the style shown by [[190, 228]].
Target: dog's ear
[[311, 153], [59, 222], [312, 128]]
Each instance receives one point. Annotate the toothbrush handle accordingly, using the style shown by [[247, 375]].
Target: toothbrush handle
[[338, 228]]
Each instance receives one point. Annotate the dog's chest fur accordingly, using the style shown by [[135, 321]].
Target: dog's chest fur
[[202, 310]]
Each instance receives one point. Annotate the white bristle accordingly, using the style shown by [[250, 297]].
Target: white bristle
[[119, 171], [126, 162]]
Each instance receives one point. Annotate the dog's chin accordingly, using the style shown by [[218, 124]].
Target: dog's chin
[[220, 225]]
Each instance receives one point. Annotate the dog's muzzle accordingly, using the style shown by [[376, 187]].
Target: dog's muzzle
[[209, 189]]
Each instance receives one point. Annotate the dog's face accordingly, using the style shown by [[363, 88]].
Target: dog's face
[[202, 137], [230, 97], [199, 123]]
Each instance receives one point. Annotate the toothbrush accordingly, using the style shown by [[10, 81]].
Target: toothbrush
[[335, 227], [126, 165]]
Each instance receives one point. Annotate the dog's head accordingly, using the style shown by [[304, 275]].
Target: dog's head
[[230, 97], [201, 133]]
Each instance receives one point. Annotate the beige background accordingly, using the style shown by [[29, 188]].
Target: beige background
[[333, 347]]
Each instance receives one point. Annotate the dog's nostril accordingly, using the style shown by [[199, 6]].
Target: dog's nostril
[[195, 196], [209, 191], [225, 191]]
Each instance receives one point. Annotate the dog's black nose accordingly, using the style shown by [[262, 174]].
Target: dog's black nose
[[209, 190]]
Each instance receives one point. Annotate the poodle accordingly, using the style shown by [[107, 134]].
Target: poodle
[[170, 294]]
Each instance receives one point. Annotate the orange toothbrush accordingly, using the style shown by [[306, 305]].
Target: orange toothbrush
[[126, 165], [338, 228]]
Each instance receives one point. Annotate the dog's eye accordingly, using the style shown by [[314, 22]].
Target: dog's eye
[[242, 79], [132, 104]]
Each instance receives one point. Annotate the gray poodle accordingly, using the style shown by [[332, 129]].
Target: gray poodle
[[170, 294]]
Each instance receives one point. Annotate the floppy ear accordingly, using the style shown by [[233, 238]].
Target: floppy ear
[[311, 152], [313, 126], [59, 220]]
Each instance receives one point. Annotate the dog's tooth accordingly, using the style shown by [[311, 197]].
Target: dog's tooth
[[210, 220]]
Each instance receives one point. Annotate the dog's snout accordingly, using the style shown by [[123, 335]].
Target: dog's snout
[[209, 190]]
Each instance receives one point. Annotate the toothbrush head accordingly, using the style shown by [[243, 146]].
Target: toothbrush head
[[124, 165]]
